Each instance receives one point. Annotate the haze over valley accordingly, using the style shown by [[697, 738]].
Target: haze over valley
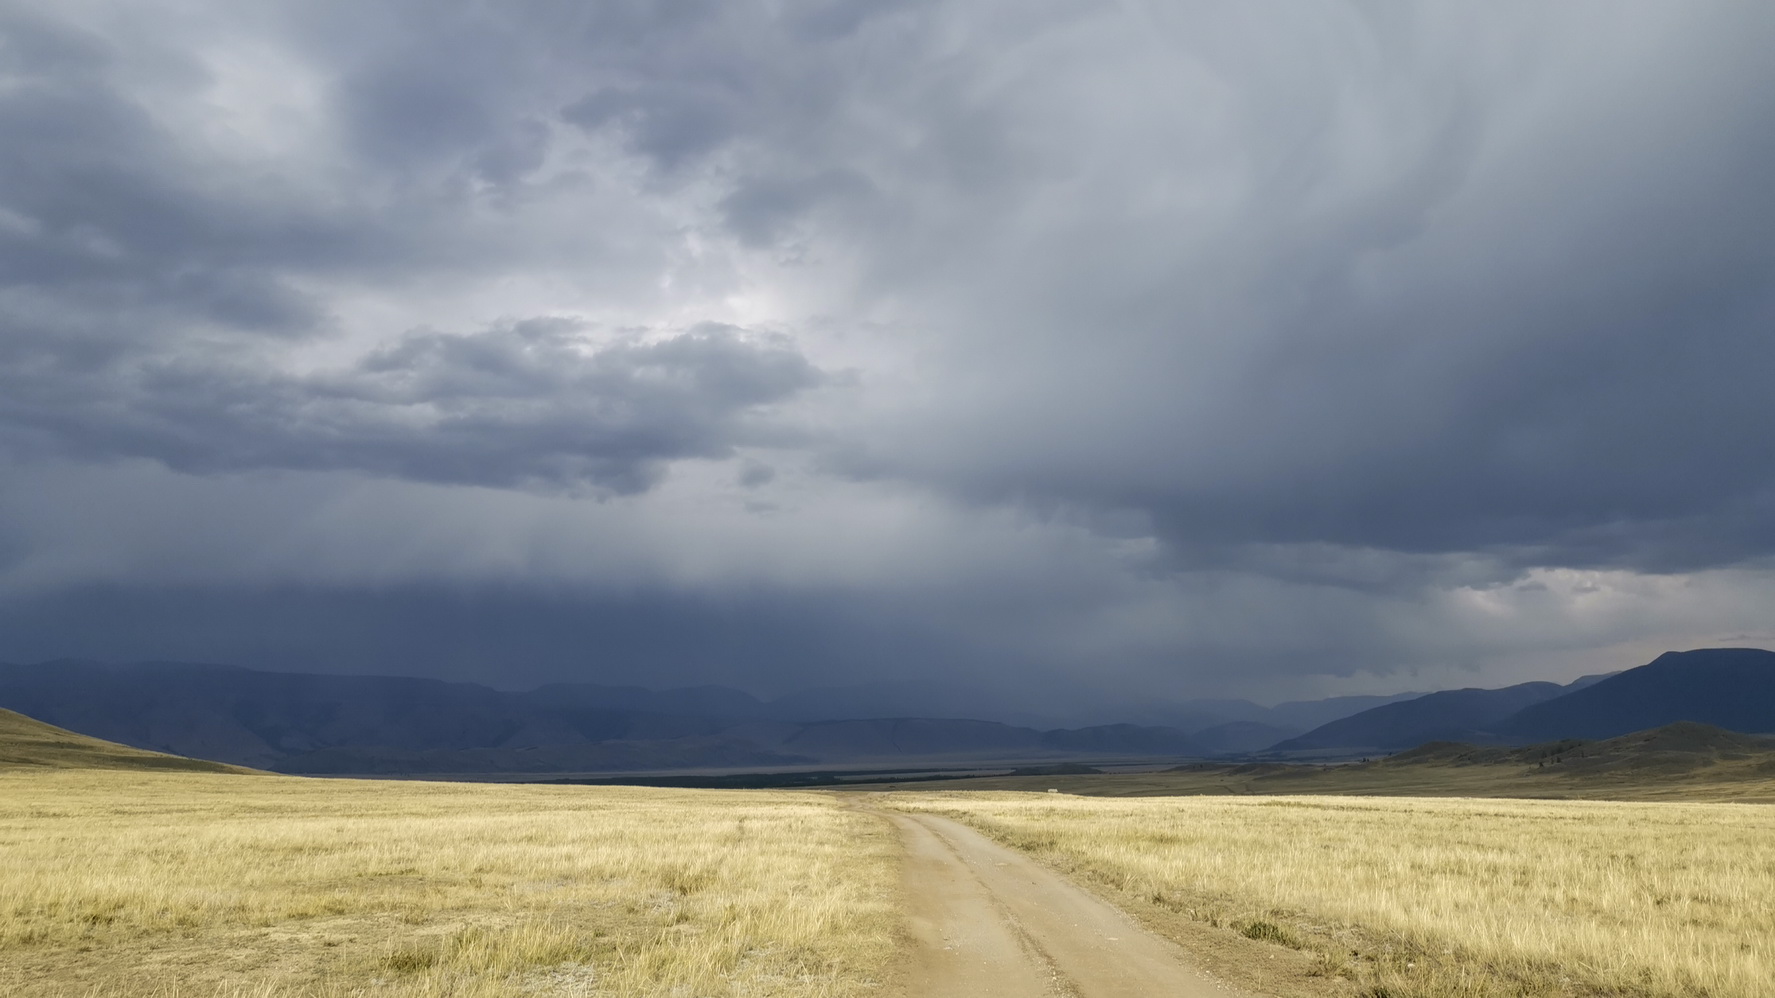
[[337, 725]]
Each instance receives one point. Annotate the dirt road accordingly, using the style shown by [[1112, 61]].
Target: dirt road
[[988, 921]]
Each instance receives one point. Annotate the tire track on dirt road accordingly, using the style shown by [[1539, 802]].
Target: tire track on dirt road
[[988, 921]]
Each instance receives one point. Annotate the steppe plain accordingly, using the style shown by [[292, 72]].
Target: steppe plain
[[131, 877]]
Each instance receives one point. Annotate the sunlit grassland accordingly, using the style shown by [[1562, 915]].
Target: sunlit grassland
[[1409, 897], [127, 883]]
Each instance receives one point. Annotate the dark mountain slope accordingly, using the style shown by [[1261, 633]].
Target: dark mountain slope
[[695, 701], [616, 755], [300, 723], [909, 698], [888, 738], [1452, 715], [1292, 717], [1305, 715], [1240, 737], [1122, 739], [1731, 688], [275, 720], [255, 718], [904, 698]]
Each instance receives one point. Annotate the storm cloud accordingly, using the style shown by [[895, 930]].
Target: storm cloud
[[1185, 347], [535, 403]]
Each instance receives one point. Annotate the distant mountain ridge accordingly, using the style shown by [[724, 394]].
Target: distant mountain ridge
[[1466, 715], [1729, 688], [296, 722], [1289, 718], [907, 698]]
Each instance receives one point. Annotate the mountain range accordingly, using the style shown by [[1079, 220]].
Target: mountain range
[[306, 723], [303, 723], [1450, 715], [1730, 688]]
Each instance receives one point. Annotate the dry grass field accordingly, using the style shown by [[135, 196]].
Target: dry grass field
[[1434, 898], [187, 885], [128, 873]]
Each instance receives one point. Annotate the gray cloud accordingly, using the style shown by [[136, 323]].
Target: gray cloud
[[1530, 323], [1332, 315], [146, 288], [536, 403]]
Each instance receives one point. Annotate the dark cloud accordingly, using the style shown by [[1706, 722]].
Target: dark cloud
[[1295, 341], [762, 211], [100, 215], [537, 403], [1534, 327], [754, 474], [142, 278]]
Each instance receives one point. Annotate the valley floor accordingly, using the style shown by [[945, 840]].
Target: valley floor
[[120, 883], [193, 885], [1422, 898]]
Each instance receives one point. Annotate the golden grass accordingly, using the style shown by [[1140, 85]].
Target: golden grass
[[1436, 897], [26, 742], [192, 885]]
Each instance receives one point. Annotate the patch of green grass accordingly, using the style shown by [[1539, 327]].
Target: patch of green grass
[[1269, 932]]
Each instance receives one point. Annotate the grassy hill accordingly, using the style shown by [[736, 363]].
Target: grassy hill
[[27, 743], [1683, 761]]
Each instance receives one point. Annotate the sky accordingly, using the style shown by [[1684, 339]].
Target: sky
[[1170, 348]]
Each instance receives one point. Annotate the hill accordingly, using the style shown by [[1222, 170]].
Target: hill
[[1682, 747], [1287, 719], [1451, 715], [1683, 761], [27, 743], [1731, 688], [1075, 709]]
